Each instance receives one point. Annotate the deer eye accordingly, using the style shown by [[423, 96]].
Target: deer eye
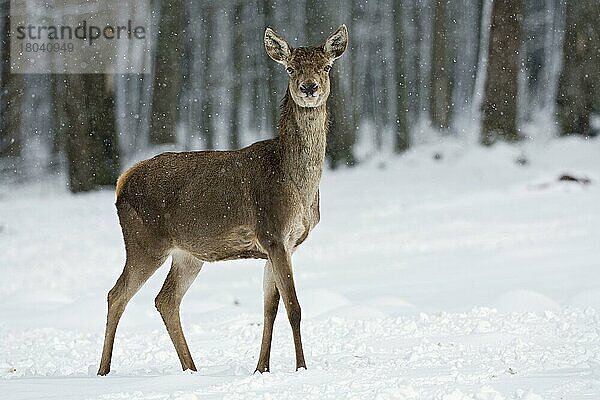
[[290, 70], [327, 68]]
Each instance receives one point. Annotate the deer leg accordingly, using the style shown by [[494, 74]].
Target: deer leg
[[271, 303], [184, 270], [136, 272], [284, 280]]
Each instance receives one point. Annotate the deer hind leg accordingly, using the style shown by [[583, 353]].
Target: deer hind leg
[[138, 268], [281, 261], [271, 303], [184, 270]]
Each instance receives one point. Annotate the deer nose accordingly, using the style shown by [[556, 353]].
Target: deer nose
[[309, 88]]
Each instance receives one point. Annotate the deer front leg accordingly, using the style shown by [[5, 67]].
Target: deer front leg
[[271, 303], [284, 280]]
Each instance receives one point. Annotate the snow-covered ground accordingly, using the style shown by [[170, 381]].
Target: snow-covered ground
[[468, 277]]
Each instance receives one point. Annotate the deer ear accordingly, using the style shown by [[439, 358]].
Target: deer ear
[[277, 48], [336, 44]]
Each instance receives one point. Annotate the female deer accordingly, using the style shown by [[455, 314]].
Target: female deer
[[257, 202]]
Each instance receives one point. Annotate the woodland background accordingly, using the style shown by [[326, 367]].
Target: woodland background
[[415, 71]]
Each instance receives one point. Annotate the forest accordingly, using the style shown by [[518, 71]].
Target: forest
[[415, 71]]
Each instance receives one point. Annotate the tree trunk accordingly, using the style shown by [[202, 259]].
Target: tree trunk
[[272, 74], [238, 65], [485, 20], [579, 80], [207, 108], [355, 81], [401, 135], [256, 103], [500, 102], [11, 94], [341, 137], [423, 14], [167, 73], [86, 119], [440, 99]]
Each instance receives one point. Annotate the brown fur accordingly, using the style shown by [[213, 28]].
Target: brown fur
[[122, 179], [257, 202]]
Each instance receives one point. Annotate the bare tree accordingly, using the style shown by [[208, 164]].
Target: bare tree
[[272, 99], [342, 136], [466, 16], [167, 73], [256, 64], [238, 65], [402, 135], [440, 99], [207, 108], [354, 55], [579, 86], [85, 115], [11, 94], [500, 101]]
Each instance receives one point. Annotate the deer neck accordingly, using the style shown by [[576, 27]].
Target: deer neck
[[302, 140]]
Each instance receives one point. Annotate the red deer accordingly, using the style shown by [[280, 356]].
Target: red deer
[[261, 201]]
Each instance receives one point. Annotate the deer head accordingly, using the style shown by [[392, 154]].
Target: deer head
[[308, 67]]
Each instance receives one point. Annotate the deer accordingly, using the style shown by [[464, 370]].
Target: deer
[[260, 202]]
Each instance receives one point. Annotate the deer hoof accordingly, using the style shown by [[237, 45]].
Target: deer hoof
[[262, 369]]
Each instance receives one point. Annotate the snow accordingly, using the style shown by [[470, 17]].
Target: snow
[[469, 277]]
